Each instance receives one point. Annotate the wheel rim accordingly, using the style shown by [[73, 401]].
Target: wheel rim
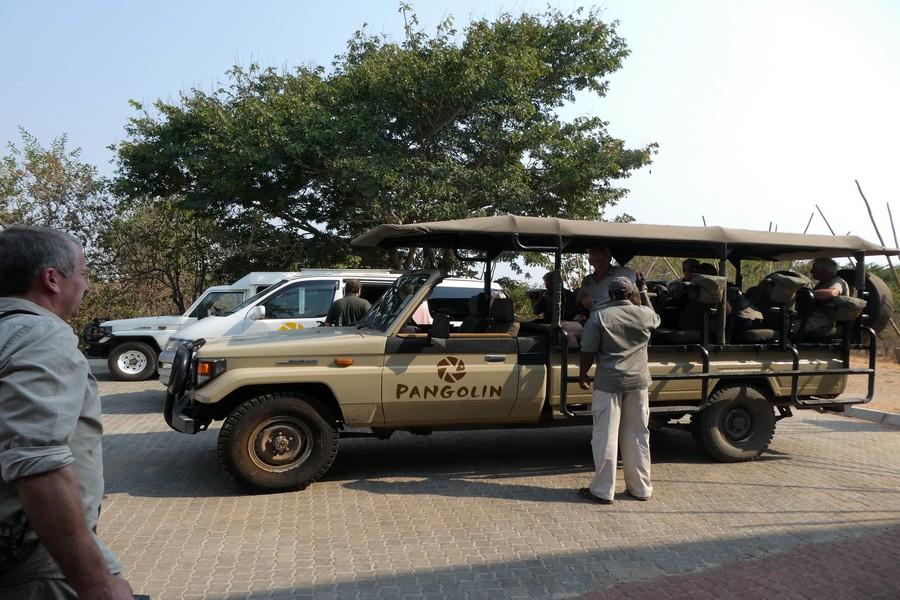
[[738, 424], [132, 362], [280, 444]]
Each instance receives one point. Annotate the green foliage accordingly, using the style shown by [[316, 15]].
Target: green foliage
[[51, 187], [432, 127], [518, 291], [154, 241]]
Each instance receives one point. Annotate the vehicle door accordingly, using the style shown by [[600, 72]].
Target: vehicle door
[[298, 305], [472, 378], [467, 378]]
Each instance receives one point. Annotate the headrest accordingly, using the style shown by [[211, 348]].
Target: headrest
[[478, 305], [502, 310]]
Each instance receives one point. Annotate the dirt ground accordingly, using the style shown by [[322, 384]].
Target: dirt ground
[[887, 383]]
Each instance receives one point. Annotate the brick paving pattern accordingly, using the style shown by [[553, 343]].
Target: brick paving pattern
[[494, 514], [863, 568]]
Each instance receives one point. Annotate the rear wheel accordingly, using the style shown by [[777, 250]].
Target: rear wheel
[[278, 442], [132, 361], [737, 425]]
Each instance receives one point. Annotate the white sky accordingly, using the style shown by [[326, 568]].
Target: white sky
[[761, 109]]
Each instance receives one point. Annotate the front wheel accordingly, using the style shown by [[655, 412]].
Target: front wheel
[[278, 442], [737, 425], [132, 361]]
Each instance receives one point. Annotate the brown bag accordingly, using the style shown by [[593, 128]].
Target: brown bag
[[781, 287]]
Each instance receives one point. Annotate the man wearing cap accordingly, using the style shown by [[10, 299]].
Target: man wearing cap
[[618, 334]]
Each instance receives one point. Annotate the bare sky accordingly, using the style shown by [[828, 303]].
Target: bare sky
[[761, 109]]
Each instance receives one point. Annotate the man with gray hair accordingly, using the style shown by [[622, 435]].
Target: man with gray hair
[[828, 284], [618, 335], [51, 463]]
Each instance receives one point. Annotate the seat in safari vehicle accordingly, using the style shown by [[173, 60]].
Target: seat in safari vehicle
[[503, 318], [477, 319], [696, 315]]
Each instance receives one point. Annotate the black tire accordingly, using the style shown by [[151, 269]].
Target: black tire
[[737, 425], [303, 429], [132, 361]]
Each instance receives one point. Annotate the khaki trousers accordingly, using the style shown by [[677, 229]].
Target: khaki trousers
[[620, 420]]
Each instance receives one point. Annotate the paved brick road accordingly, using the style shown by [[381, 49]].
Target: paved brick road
[[494, 515]]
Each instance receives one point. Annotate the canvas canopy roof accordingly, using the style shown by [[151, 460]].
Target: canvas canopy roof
[[504, 233]]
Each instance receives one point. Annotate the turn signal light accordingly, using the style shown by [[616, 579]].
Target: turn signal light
[[343, 362], [209, 369]]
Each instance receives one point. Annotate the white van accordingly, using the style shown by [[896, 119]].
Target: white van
[[131, 345], [304, 301]]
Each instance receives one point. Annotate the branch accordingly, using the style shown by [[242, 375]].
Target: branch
[[878, 233]]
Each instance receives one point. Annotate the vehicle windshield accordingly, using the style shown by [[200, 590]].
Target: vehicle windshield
[[253, 299], [393, 302], [215, 303]]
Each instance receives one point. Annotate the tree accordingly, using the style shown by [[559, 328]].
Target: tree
[[433, 127], [51, 187], [157, 242]]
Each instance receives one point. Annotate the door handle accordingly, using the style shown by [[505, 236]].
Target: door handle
[[495, 358]]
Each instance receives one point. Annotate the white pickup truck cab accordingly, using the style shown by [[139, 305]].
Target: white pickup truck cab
[[131, 345], [303, 302]]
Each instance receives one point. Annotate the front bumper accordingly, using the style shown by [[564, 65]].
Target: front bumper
[[97, 348], [179, 417], [180, 413]]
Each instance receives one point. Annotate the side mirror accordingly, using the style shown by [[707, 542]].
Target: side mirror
[[440, 327], [256, 313]]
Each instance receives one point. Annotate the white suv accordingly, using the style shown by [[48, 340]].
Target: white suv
[[303, 302]]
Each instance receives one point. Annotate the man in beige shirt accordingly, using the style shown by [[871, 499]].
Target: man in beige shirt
[[617, 336], [51, 462]]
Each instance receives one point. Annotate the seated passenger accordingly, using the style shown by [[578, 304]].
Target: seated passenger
[[688, 265], [542, 302], [705, 269], [821, 322], [828, 284]]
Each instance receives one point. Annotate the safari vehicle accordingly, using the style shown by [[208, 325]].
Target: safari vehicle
[[286, 401]]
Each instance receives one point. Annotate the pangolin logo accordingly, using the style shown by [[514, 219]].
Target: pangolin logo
[[451, 369]]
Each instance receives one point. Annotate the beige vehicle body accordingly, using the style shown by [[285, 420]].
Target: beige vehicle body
[[287, 398]]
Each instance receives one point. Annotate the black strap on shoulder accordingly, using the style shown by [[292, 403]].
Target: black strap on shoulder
[[9, 313]]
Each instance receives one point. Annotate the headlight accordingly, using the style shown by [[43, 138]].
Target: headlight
[[172, 345], [208, 369]]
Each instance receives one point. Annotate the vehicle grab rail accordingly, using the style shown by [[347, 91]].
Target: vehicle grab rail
[[794, 373]]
